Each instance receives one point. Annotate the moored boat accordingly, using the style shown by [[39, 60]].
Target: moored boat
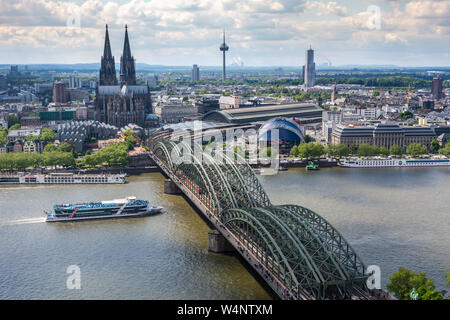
[[311, 166], [397, 163], [118, 208], [61, 178]]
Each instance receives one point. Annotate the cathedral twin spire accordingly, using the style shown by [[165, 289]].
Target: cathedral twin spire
[[108, 68], [127, 71]]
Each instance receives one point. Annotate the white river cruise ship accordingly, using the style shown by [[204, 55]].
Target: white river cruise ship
[[61, 178], [400, 163]]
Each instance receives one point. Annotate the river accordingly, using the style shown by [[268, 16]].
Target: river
[[392, 217]]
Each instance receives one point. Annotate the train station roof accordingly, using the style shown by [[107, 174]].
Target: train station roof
[[264, 113]]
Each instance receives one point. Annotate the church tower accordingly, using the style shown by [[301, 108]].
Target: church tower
[[127, 71], [108, 66]]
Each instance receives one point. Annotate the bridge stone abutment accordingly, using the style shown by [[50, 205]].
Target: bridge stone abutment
[[218, 243], [170, 187]]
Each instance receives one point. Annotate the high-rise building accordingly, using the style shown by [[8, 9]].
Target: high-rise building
[[14, 71], [195, 73], [123, 103], [436, 88], [224, 48], [3, 83], [74, 82], [309, 69], [59, 92]]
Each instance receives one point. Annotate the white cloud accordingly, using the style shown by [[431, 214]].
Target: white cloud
[[255, 30], [324, 8]]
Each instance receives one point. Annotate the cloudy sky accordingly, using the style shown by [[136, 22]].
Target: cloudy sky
[[259, 32]]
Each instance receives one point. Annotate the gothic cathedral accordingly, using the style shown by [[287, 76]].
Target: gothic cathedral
[[120, 103]]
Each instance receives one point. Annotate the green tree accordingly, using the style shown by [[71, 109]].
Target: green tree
[[446, 150], [367, 150], [23, 160], [396, 150], [331, 150], [308, 138], [3, 136], [342, 150], [31, 138], [310, 149], [403, 281], [317, 150], [131, 142], [65, 147], [12, 119], [416, 149], [50, 148], [406, 115], [384, 151], [129, 132], [353, 149], [304, 150], [112, 155], [47, 135], [434, 146], [294, 151], [15, 126]]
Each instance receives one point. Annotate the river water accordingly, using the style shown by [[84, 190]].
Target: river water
[[392, 217]]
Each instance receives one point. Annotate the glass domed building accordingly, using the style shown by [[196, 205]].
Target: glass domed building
[[289, 133]]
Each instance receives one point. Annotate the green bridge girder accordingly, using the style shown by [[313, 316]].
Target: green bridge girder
[[303, 250]]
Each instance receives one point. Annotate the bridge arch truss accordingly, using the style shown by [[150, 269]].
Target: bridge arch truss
[[295, 244]]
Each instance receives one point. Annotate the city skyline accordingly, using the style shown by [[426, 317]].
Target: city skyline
[[262, 33]]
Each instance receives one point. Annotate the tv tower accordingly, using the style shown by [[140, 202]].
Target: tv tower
[[223, 48]]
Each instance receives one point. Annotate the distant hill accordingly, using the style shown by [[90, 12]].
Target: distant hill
[[143, 67]]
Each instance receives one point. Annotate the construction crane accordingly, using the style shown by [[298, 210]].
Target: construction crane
[[282, 93], [408, 98]]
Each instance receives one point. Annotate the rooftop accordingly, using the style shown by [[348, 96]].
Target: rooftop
[[262, 113]]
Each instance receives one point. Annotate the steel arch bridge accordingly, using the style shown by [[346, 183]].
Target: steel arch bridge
[[295, 246]]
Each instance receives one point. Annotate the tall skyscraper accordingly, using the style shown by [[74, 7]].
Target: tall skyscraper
[[195, 73], [224, 48], [436, 88], [74, 82], [309, 69], [59, 92], [14, 71]]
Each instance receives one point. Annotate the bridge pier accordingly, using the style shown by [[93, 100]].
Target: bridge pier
[[170, 187], [217, 242]]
